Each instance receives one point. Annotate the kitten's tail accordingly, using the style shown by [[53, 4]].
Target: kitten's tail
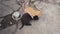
[[2, 17]]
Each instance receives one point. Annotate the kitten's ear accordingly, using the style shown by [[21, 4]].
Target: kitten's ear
[[13, 12]]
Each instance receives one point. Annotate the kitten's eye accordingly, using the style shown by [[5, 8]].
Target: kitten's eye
[[14, 16]]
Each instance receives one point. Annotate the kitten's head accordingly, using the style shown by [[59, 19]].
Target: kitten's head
[[16, 15]]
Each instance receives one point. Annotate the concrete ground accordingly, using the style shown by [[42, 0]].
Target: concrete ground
[[49, 22]]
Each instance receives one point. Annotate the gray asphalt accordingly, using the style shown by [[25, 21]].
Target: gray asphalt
[[48, 23]]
